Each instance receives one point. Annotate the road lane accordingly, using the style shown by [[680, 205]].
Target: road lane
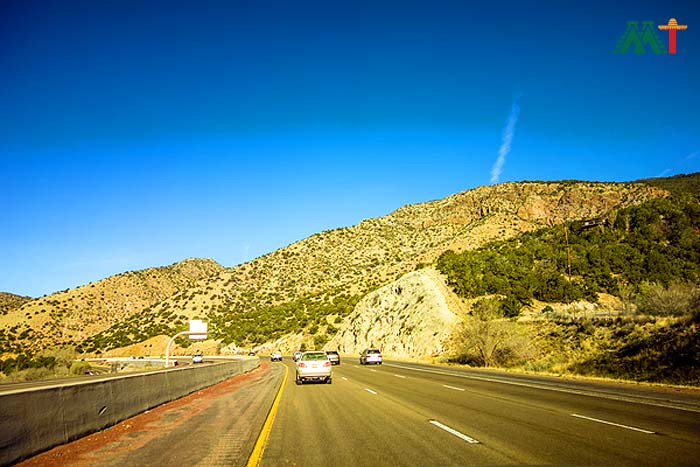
[[395, 407], [216, 426], [669, 412], [351, 424]]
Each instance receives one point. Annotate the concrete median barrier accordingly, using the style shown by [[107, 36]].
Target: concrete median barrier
[[37, 419]]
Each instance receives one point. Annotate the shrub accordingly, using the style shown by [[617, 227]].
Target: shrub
[[320, 340], [79, 368], [678, 299], [486, 338]]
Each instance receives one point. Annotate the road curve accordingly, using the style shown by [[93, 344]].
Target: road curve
[[400, 414]]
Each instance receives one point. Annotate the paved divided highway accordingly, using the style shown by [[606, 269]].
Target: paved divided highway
[[401, 414]]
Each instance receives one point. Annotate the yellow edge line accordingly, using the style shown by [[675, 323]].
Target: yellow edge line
[[259, 448]]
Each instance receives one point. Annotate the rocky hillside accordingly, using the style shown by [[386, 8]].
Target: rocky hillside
[[297, 288], [412, 317], [301, 288], [70, 316]]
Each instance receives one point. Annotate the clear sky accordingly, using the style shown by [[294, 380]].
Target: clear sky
[[140, 133]]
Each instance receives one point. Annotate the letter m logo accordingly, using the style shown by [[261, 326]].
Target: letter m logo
[[640, 38]]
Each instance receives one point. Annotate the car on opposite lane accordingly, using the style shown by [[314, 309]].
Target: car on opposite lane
[[314, 366], [276, 356], [198, 357]]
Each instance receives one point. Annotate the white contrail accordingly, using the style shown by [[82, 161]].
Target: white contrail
[[689, 157], [503, 151]]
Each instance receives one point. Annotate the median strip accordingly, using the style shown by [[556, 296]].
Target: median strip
[[605, 422], [459, 435]]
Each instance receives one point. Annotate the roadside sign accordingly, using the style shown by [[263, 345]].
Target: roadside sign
[[199, 329]]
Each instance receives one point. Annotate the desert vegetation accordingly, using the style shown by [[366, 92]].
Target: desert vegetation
[[48, 363], [487, 337], [647, 255], [507, 247], [646, 248]]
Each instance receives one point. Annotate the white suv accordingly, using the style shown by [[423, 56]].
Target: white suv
[[371, 356]]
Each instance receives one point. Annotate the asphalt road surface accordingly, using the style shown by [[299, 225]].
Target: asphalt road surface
[[213, 427], [400, 414]]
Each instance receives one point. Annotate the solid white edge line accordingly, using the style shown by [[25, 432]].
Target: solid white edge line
[[453, 387], [466, 438], [370, 391], [627, 427]]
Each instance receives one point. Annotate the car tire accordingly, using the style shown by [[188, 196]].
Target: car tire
[[329, 380]]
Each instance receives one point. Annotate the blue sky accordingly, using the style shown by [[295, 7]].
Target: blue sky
[[137, 134]]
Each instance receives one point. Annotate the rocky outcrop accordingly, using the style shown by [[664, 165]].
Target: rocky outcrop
[[409, 318]]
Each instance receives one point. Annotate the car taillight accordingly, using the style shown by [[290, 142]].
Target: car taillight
[[328, 363], [302, 365]]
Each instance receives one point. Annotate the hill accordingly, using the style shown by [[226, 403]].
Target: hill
[[300, 288], [308, 291], [10, 302], [68, 317]]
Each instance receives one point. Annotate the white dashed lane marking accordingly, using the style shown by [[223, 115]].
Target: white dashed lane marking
[[605, 422], [453, 387], [459, 435]]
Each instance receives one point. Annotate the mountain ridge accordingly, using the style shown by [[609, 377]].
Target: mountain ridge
[[299, 287]]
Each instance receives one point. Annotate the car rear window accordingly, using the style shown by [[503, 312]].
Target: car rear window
[[314, 356], [373, 351]]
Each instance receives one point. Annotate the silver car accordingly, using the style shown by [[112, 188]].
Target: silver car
[[314, 366]]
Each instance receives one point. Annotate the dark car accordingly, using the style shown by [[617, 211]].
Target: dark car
[[333, 356]]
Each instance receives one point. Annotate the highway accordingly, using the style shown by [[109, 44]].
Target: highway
[[400, 414]]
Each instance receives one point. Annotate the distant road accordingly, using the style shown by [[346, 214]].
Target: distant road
[[407, 414], [46, 383]]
